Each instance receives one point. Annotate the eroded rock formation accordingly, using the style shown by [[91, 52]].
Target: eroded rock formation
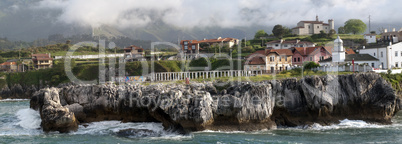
[[241, 106]]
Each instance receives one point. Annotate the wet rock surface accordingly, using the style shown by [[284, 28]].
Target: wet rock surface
[[243, 106]]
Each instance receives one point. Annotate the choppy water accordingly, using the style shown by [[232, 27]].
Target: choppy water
[[19, 124]]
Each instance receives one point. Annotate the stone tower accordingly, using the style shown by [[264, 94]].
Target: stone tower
[[331, 24]]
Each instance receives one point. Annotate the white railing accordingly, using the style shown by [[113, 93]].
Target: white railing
[[90, 56], [343, 68]]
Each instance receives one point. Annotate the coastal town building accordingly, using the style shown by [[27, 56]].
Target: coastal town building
[[313, 27], [134, 53], [8, 67], [285, 44], [191, 48], [389, 56], [269, 60], [391, 36], [42, 61], [370, 38], [309, 54], [339, 57]]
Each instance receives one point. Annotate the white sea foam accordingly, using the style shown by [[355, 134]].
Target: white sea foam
[[347, 124], [13, 100], [29, 119]]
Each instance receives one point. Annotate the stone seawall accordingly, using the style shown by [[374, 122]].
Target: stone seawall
[[239, 107]]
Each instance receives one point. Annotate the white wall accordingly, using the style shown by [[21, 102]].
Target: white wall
[[370, 39]]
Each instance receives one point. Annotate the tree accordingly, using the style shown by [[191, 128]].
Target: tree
[[279, 31], [259, 34], [341, 30], [331, 33], [355, 26]]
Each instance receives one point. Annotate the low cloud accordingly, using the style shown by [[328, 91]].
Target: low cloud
[[223, 13]]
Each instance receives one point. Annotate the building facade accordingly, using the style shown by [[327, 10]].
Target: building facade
[[191, 48], [370, 38], [389, 56], [134, 53], [313, 27], [309, 54], [42, 61], [271, 61]]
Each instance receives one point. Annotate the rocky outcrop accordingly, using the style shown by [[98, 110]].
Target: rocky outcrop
[[17, 91], [54, 116], [241, 106]]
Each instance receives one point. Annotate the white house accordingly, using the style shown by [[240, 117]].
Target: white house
[[389, 56], [286, 44], [370, 38]]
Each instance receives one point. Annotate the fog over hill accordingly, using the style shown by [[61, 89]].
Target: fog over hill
[[170, 20]]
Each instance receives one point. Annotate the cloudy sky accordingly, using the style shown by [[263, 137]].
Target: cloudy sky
[[34, 19], [223, 13]]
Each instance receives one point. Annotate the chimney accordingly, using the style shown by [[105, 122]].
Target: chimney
[[219, 38], [393, 30], [281, 40], [297, 41], [316, 18]]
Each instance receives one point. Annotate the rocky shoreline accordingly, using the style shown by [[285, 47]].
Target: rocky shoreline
[[239, 107]]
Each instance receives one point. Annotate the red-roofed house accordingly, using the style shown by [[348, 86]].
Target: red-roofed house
[[315, 54], [42, 61], [270, 60], [313, 27], [8, 66], [192, 47], [285, 44], [133, 53]]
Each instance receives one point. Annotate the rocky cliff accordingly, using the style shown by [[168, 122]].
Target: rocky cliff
[[241, 106]]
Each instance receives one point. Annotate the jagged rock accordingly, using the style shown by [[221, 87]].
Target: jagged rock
[[54, 116], [241, 106]]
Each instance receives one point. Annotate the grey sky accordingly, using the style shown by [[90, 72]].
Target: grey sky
[[223, 13]]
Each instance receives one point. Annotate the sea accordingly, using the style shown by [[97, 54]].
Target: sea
[[20, 124]]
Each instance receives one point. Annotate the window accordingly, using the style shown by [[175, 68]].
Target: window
[[286, 45], [326, 27], [370, 36], [374, 54], [186, 47], [185, 43], [276, 45], [280, 58], [311, 58], [193, 47], [396, 64], [382, 54], [271, 59], [382, 65], [309, 27], [318, 26], [372, 64], [295, 59], [301, 45], [286, 58], [298, 59], [396, 53]]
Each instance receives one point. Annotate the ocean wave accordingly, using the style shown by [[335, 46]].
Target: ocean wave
[[113, 127], [13, 100], [29, 119], [24, 122], [346, 124]]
